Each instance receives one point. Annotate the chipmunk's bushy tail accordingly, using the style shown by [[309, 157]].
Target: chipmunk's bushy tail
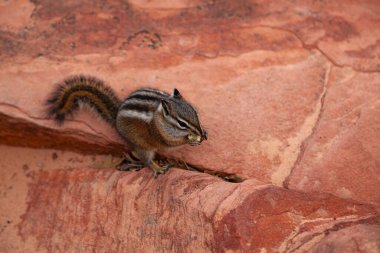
[[67, 96]]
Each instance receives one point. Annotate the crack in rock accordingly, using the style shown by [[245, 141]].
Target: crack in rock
[[314, 46], [294, 152]]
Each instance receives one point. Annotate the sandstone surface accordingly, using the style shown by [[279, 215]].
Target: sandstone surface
[[288, 91], [78, 204], [347, 240]]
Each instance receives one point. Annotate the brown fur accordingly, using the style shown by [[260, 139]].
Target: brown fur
[[66, 97]]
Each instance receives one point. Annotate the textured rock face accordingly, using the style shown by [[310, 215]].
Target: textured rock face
[[342, 157], [83, 209], [359, 238], [289, 93]]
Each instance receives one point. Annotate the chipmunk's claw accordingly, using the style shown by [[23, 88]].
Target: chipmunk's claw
[[158, 170]]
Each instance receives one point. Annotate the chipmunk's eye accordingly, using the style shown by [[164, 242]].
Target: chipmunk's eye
[[182, 124]]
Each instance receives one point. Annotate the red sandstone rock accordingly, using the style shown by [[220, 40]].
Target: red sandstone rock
[[289, 93], [104, 210], [343, 155], [357, 238], [100, 210]]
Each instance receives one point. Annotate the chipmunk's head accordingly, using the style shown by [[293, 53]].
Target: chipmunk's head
[[179, 122]]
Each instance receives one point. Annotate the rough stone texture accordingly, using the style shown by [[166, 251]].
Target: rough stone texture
[[72, 208], [343, 155], [288, 91], [358, 238]]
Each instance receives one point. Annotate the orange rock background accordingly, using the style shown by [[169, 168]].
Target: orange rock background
[[288, 91]]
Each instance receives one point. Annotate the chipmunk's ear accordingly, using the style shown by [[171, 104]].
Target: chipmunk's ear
[[166, 107], [176, 93]]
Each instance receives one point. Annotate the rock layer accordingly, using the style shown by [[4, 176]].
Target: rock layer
[[103, 210], [180, 211]]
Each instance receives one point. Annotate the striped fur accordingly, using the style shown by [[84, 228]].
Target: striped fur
[[141, 115], [174, 118], [170, 117], [68, 95], [142, 104], [149, 119]]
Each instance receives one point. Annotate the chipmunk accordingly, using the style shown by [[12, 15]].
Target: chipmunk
[[149, 120]]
